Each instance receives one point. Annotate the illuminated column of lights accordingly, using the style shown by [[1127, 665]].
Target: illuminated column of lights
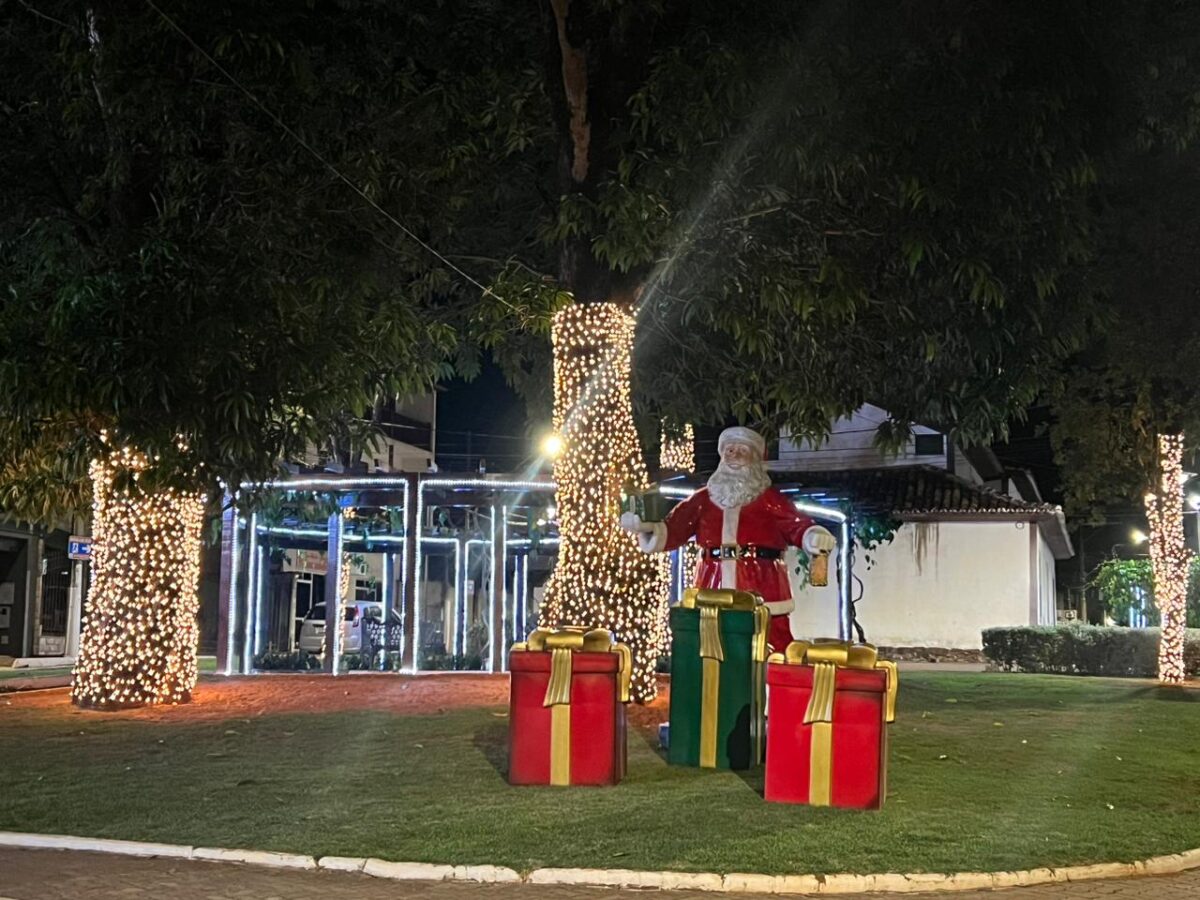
[[260, 619], [251, 597], [678, 454], [337, 569], [404, 575], [502, 555], [601, 578], [1169, 557], [139, 640], [524, 596], [515, 593], [231, 615], [385, 598], [416, 625], [493, 575]]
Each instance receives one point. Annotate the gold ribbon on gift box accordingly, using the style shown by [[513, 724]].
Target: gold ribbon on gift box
[[826, 656], [561, 644], [711, 602]]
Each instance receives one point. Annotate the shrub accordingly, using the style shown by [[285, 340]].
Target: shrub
[[1083, 650], [278, 661], [371, 662]]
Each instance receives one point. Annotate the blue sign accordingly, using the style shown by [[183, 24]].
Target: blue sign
[[79, 547]]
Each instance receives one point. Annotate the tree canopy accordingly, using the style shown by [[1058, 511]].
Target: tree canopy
[[186, 275], [810, 205], [813, 205], [1137, 378]]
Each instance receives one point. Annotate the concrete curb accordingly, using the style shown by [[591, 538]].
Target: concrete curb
[[737, 882], [255, 858]]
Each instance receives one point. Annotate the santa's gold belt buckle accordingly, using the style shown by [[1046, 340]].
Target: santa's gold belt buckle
[[729, 551]]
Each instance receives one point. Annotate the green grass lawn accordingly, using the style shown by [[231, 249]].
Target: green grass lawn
[[8, 673], [206, 664], [987, 772]]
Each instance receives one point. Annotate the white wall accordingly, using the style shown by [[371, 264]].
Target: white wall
[[1047, 601], [937, 584]]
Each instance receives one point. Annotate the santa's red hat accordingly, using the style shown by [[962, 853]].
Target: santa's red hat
[[739, 434]]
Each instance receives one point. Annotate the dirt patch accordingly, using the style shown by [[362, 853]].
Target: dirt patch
[[217, 699], [932, 655]]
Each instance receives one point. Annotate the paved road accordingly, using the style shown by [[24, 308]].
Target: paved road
[[68, 875]]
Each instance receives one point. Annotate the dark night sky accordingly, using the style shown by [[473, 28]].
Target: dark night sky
[[483, 417]]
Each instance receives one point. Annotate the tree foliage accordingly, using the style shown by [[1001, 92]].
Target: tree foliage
[[183, 273], [814, 205], [1126, 588], [1136, 379], [810, 204]]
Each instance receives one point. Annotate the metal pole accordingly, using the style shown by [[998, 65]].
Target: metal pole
[[845, 581], [333, 599]]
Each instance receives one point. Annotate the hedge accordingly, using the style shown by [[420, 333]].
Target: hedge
[[1083, 650]]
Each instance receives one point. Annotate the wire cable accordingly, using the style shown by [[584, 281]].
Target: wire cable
[[326, 163]]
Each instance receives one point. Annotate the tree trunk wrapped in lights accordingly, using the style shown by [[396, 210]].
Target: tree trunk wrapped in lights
[[678, 454], [139, 640], [601, 578], [1169, 556]]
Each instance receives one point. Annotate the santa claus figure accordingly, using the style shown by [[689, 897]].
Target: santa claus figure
[[742, 525]]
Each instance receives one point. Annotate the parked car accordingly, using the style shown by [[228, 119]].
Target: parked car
[[354, 618]]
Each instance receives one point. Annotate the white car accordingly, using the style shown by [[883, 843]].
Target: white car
[[354, 615]]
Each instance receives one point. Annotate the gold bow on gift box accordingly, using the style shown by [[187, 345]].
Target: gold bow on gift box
[[826, 656], [711, 602], [562, 643]]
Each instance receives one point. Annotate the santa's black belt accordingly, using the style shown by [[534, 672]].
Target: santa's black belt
[[742, 551]]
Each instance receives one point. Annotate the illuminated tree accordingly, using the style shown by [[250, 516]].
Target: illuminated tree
[[601, 578], [1127, 406], [190, 296], [140, 642]]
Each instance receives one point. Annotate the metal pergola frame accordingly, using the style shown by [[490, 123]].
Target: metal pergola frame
[[241, 624]]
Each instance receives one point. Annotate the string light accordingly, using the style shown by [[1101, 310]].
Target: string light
[[678, 454], [601, 578], [1169, 557], [139, 640]]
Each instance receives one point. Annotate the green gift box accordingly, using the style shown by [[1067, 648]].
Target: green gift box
[[718, 651]]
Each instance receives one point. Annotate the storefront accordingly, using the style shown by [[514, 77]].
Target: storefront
[[435, 573], [43, 589]]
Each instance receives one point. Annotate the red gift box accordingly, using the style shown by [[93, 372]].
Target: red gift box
[[567, 708], [828, 705]]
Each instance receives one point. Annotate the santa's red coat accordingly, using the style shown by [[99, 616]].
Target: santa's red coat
[[769, 521]]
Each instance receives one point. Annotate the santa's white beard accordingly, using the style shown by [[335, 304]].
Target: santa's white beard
[[729, 487]]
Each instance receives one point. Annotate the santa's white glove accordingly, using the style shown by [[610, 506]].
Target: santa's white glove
[[818, 540], [631, 521], [651, 536]]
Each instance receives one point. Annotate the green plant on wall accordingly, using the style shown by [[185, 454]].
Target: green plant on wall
[[1126, 591], [870, 531], [276, 508]]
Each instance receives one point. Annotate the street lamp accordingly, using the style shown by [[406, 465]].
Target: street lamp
[[1136, 538], [552, 445], [1193, 501]]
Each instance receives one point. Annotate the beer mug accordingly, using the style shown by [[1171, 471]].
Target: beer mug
[[818, 569]]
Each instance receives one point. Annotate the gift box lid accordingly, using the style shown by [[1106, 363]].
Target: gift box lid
[[581, 662], [801, 676]]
